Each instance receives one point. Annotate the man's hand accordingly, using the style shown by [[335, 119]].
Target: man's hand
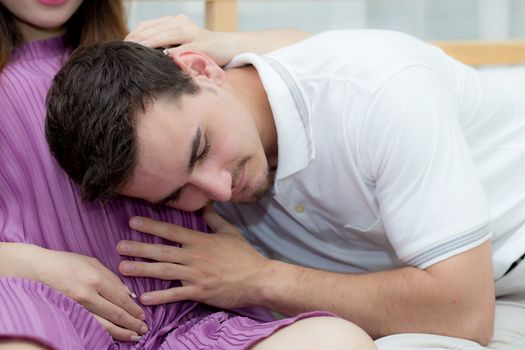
[[88, 282], [218, 269]]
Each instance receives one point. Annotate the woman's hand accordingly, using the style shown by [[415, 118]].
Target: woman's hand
[[180, 34], [88, 282]]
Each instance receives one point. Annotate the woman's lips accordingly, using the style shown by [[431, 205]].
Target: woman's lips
[[52, 2]]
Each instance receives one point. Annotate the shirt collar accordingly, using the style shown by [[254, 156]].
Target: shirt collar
[[290, 113]]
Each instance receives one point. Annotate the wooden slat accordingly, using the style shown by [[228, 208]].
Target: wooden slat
[[485, 52], [221, 15]]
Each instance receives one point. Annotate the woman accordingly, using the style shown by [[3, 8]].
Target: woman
[[56, 245]]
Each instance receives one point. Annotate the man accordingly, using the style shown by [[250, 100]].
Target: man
[[361, 161]]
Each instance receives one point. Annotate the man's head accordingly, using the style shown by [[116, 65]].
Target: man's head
[[123, 118]]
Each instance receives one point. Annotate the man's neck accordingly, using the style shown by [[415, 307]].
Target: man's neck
[[245, 84]]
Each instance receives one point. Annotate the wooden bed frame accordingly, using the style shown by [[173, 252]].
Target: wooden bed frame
[[486, 52], [221, 15]]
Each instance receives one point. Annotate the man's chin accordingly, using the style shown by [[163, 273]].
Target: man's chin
[[254, 196], [247, 199], [243, 201]]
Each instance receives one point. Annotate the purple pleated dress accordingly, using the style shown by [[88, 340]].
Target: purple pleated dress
[[40, 205]]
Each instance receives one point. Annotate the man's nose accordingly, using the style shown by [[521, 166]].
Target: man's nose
[[217, 185]]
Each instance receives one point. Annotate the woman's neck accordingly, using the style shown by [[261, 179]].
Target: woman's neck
[[31, 33]]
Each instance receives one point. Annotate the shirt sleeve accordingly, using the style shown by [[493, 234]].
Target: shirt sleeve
[[430, 196]]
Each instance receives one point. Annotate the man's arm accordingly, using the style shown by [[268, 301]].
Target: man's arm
[[454, 297]]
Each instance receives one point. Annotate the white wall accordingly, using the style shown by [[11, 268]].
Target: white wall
[[426, 19]]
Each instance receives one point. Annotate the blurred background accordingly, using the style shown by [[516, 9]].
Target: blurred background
[[425, 19]]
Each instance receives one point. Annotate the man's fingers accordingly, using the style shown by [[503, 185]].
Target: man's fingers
[[116, 315], [157, 252], [163, 271], [169, 295], [118, 333], [170, 232]]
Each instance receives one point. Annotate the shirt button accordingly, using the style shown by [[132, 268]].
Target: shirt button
[[299, 208]]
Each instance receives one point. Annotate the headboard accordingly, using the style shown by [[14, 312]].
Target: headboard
[[486, 52], [221, 15]]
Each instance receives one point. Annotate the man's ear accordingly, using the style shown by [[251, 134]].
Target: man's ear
[[198, 64]]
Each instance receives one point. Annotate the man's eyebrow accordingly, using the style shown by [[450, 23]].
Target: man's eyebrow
[[195, 144], [194, 149]]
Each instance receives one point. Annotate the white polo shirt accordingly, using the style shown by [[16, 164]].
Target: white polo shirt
[[375, 170]]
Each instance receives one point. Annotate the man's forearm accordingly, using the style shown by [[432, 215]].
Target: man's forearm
[[454, 297], [406, 300]]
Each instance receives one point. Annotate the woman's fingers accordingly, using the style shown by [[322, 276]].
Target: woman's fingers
[[118, 293], [106, 309], [165, 32], [116, 332], [137, 33]]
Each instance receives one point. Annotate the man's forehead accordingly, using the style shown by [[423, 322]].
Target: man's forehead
[[162, 112], [149, 180], [159, 122], [165, 141]]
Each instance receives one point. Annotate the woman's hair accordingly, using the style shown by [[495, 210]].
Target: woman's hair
[[95, 20]]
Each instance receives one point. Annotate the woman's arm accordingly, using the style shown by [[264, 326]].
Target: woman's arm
[[16, 260], [83, 279], [182, 32]]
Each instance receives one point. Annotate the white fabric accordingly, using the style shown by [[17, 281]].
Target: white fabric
[[391, 154], [387, 151], [497, 142]]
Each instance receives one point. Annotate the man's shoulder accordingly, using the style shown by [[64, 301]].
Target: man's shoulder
[[366, 58], [355, 44]]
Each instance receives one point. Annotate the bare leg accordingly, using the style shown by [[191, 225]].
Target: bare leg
[[327, 333], [20, 345]]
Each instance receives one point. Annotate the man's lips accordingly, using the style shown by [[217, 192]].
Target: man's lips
[[241, 179]]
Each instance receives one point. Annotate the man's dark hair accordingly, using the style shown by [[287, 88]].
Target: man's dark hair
[[92, 107]]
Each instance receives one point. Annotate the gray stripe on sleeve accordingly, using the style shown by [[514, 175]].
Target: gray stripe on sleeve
[[450, 246]]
